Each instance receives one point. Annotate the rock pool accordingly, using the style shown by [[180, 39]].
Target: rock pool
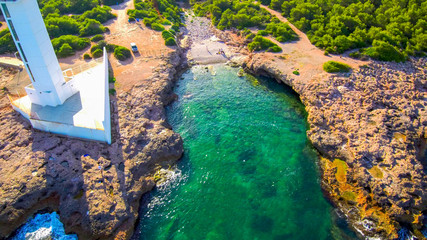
[[248, 170]]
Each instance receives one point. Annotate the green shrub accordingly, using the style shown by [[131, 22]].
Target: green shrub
[[122, 53], [101, 14], [166, 22], [262, 33], [97, 53], [296, 72], [61, 25], [333, 66], [74, 42], [261, 43], [250, 36], [384, 51], [170, 42], [94, 48], [91, 27], [97, 38], [274, 49], [157, 27], [175, 27], [86, 56], [111, 2], [166, 34], [6, 42], [110, 47], [65, 51], [281, 31]]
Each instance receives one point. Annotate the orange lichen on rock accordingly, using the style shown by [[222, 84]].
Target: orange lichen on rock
[[376, 172], [337, 174]]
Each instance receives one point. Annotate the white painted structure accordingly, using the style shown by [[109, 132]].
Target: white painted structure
[[79, 107], [29, 32]]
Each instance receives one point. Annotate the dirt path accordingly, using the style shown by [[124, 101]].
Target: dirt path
[[150, 44], [303, 56]]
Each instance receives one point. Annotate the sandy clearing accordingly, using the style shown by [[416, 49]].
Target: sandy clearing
[[303, 56], [150, 44], [142, 64]]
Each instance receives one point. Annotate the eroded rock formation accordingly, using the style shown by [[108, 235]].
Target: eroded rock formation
[[95, 187], [370, 128]]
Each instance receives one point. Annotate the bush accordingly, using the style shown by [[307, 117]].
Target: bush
[[166, 22], [384, 51], [111, 2], [332, 67], [261, 43], [97, 38], [281, 31], [110, 47], [91, 27], [157, 27], [86, 56], [6, 42], [65, 51], [262, 33], [74, 42], [166, 34], [94, 48], [101, 14], [274, 49], [170, 42], [296, 72], [250, 36], [122, 53], [97, 53]]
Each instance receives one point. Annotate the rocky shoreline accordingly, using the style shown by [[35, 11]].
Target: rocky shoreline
[[95, 188], [370, 129]]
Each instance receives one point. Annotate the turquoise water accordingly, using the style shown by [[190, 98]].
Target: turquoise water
[[248, 171]]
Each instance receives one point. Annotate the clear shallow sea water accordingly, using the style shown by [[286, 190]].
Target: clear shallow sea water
[[248, 170]]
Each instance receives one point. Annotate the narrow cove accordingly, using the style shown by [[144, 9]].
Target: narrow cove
[[248, 171]]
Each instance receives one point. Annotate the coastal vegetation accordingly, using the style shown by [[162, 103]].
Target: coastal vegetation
[[333, 67], [388, 30], [120, 52], [68, 23], [158, 15], [243, 15], [261, 43]]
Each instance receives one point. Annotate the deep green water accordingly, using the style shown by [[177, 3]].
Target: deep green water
[[248, 171]]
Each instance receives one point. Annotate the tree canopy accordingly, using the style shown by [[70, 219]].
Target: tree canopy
[[396, 28], [244, 14], [67, 20]]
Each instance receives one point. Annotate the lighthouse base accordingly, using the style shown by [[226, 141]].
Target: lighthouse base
[[86, 114]]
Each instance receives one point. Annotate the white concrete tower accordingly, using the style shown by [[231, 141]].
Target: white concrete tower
[[35, 48]]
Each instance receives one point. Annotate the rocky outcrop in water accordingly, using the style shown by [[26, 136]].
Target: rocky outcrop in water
[[96, 188], [370, 128]]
